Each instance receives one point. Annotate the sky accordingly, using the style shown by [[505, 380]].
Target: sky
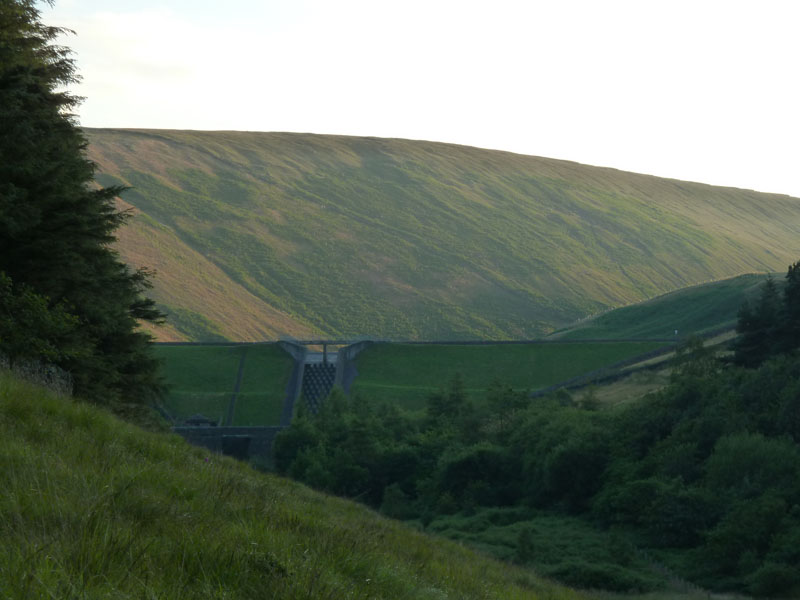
[[699, 90]]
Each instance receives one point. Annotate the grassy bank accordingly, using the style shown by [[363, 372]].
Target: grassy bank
[[95, 508], [691, 311]]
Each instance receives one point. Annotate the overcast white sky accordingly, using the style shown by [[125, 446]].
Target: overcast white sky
[[701, 90]]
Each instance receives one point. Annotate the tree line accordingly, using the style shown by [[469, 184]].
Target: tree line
[[704, 473]]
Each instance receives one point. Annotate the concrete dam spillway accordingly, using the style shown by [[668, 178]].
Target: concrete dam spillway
[[313, 377]]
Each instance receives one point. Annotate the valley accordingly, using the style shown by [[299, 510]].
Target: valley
[[508, 445], [243, 365]]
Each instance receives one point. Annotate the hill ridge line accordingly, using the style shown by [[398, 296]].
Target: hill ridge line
[[270, 235], [566, 161]]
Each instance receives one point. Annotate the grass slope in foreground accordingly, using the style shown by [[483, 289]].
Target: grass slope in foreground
[[406, 374], [96, 508], [692, 311], [202, 380]]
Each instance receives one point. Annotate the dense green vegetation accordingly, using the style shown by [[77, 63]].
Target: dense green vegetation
[[561, 547], [772, 325], [65, 296], [691, 311], [704, 475], [350, 236], [201, 379], [259, 234], [406, 374], [95, 508]]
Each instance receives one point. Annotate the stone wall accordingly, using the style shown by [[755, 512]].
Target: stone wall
[[41, 373]]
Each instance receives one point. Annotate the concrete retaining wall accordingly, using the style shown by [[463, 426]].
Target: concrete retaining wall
[[345, 367], [297, 351], [214, 438], [295, 386]]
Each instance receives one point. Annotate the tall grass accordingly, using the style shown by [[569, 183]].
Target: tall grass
[[95, 508]]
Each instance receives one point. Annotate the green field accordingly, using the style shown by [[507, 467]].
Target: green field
[[266, 374], [256, 235], [406, 374], [202, 379], [691, 311]]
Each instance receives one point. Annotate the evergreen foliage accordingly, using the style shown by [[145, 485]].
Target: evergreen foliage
[[56, 226], [758, 326], [790, 332], [30, 328], [772, 326]]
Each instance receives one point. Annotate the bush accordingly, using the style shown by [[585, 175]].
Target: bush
[[773, 579], [396, 504], [744, 465], [525, 551], [678, 517], [599, 576]]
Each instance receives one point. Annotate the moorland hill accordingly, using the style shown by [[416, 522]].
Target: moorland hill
[[258, 235]]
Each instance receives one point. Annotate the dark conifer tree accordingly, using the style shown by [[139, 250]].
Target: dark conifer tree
[[31, 329], [759, 327], [56, 224], [790, 322]]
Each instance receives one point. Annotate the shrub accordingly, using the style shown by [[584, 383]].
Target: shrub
[[773, 579], [595, 576]]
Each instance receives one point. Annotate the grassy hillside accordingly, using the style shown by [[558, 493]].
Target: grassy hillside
[[405, 375], [202, 379], [95, 508], [691, 311], [257, 235]]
